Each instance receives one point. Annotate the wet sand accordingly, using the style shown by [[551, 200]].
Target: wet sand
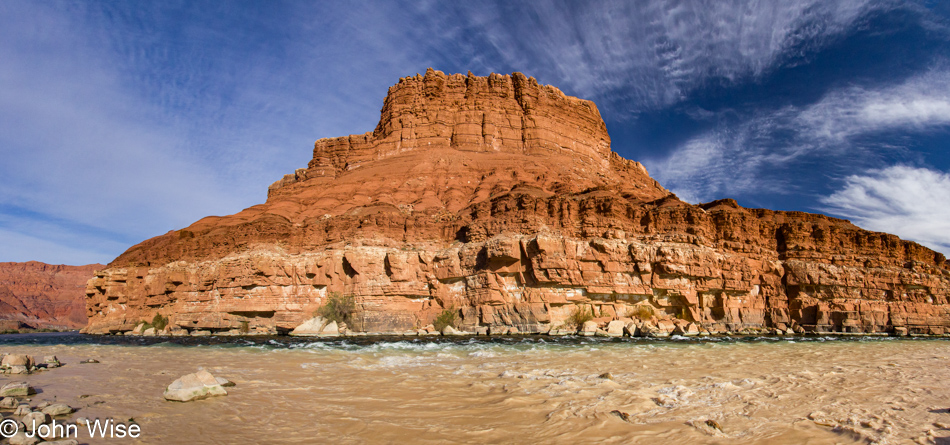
[[515, 391]]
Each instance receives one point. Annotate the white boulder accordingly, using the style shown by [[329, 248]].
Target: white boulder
[[199, 385]]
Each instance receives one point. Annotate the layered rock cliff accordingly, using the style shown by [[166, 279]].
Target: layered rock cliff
[[40, 295], [500, 198]]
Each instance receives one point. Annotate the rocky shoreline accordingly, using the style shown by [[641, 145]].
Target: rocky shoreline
[[601, 327], [28, 423]]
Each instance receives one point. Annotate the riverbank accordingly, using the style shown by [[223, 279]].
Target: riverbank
[[587, 327]]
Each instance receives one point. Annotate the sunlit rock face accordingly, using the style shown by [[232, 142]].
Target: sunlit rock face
[[40, 295], [500, 198]]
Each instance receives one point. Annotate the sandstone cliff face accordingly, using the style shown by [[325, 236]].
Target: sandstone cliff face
[[43, 295], [500, 198]]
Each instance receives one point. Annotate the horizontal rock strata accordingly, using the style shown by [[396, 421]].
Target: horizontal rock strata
[[499, 199], [40, 295]]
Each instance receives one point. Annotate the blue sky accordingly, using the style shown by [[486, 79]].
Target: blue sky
[[120, 121]]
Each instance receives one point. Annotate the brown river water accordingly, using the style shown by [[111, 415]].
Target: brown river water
[[510, 390]]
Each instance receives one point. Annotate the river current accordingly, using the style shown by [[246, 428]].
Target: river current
[[431, 390]]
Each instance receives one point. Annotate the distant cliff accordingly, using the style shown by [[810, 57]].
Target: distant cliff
[[41, 295], [501, 199]]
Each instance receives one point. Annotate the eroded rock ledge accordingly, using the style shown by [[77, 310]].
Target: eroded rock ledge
[[500, 198]]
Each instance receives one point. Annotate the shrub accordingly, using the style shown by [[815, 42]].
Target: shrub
[[579, 317], [641, 311], [245, 327], [158, 322], [339, 308], [448, 317]]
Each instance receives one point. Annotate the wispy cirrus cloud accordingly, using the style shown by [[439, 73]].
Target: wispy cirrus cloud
[[920, 102], [633, 56], [754, 152], [911, 201]]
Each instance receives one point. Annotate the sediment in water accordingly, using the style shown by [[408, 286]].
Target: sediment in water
[[501, 390]]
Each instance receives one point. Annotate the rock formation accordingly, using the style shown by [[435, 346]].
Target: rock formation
[[40, 295], [500, 199]]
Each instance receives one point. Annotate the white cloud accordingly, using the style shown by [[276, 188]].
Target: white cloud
[[920, 101], [705, 167], [655, 53], [913, 203], [753, 155]]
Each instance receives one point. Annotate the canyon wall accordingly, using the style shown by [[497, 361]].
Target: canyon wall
[[500, 199], [40, 295]]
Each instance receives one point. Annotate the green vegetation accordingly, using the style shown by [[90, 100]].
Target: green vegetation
[[159, 322], [339, 308], [448, 317], [579, 317], [641, 311]]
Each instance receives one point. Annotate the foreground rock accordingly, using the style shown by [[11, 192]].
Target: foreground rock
[[58, 409], [51, 361], [17, 364], [501, 198], [34, 419], [16, 389], [199, 385], [20, 438]]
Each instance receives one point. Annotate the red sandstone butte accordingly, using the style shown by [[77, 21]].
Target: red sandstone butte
[[501, 198], [40, 295]]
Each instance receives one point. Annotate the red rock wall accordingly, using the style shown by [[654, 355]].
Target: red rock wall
[[501, 198], [43, 295]]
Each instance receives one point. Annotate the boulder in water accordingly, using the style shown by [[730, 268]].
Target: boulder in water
[[58, 409], [34, 419], [20, 438], [16, 389], [17, 363], [51, 361], [199, 385]]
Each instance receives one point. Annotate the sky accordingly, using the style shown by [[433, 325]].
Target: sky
[[122, 120]]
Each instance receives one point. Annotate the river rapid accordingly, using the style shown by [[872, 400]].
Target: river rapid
[[430, 390]]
